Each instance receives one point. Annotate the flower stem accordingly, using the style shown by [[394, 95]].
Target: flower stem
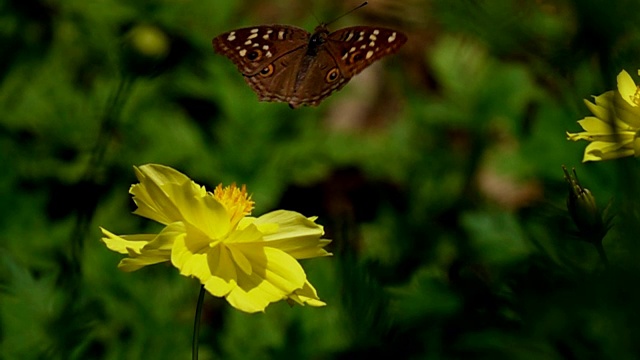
[[88, 186], [196, 325]]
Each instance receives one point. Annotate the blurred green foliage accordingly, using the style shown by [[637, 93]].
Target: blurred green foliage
[[437, 173]]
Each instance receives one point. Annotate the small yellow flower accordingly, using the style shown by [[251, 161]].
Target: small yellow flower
[[613, 131], [250, 261]]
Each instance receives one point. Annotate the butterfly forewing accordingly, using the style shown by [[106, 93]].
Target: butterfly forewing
[[355, 48], [253, 48]]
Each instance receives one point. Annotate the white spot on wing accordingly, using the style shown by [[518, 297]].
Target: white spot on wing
[[255, 31], [252, 36], [242, 52], [281, 34], [265, 47], [232, 36], [248, 42], [392, 38], [376, 32], [369, 54], [349, 36]]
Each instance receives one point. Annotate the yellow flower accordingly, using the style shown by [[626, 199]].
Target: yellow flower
[[250, 261], [613, 131]]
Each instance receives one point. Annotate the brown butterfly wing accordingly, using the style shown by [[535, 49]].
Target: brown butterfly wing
[[252, 49], [357, 47]]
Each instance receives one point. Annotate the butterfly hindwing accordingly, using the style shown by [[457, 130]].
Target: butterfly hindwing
[[295, 86]]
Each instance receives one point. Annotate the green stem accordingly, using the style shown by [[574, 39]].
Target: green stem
[[89, 181], [196, 325]]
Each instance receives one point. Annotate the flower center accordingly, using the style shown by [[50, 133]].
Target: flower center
[[236, 200]]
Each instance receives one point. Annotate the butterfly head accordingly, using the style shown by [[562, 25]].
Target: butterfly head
[[322, 28], [318, 38]]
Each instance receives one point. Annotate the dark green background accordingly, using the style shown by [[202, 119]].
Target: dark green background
[[437, 172]]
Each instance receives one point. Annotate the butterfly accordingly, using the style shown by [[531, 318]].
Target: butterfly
[[285, 63]]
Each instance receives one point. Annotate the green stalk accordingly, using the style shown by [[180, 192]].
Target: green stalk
[[196, 325]]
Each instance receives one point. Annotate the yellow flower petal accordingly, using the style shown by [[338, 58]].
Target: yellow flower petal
[[602, 108], [255, 299], [627, 117], [626, 101], [622, 138], [133, 264], [296, 235], [206, 214], [247, 234], [612, 110], [213, 266], [124, 243], [600, 150], [166, 195], [627, 87], [190, 254], [155, 193], [291, 232], [143, 249], [240, 260], [224, 276], [306, 296], [276, 275], [274, 266], [594, 124], [165, 239]]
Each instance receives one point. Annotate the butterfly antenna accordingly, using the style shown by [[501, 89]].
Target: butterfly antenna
[[347, 13]]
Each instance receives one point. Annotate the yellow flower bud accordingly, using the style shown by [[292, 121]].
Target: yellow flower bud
[[145, 50], [149, 41]]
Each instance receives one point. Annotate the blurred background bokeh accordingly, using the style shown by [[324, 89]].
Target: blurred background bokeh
[[436, 172]]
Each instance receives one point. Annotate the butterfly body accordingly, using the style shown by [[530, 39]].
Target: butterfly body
[[288, 64]]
